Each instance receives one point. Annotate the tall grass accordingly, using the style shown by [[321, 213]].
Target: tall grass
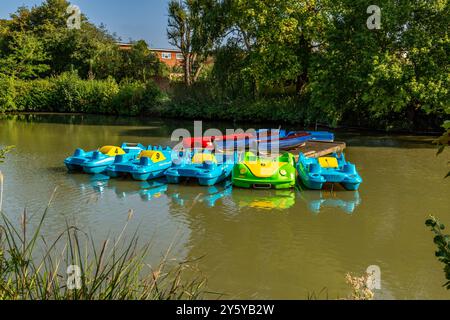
[[34, 268]]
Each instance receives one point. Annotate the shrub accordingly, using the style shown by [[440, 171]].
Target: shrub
[[37, 95], [442, 242], [7, 94]]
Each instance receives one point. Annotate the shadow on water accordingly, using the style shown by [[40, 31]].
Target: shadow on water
[[386, 141]]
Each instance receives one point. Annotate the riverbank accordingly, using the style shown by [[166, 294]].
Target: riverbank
[[70, 94], [176, 122]]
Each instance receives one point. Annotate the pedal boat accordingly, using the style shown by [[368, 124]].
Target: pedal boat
[[149, 164], [94, 162], [314, 173], [265, 173], [208, 168]]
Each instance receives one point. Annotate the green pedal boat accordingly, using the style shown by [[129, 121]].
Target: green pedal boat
[[265, 173]]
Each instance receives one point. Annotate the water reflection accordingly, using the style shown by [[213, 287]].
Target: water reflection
[[264, 199], [182, 195], [318, 201], [147, 190], [187, 195]]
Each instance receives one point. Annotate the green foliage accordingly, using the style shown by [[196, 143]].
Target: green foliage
[[24, 57], [137, 98], [4, 151], [69, 93], [290, 61], [444, 141], [442, 242], [140, 63], [396, 77], [194, 26], [37, 43], [7, 93]]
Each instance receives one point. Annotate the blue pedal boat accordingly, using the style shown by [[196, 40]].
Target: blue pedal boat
[[208, 168], [97, 161], [314, 173], [149, 164]]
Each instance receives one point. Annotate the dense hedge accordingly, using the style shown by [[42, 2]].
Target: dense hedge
[[69, 93]]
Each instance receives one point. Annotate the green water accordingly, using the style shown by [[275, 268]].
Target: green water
[[253, 243]]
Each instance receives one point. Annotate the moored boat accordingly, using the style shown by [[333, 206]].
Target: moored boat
[[265, 173], [208, 168], [97, 161], [315, 172], [149, 164]]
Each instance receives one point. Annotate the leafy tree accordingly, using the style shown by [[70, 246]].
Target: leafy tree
[[401, 69], [193, 27], [92, 51], [280, 38], [442, 242], [25, 57], [140, 63]]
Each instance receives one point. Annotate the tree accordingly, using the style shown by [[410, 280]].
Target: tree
[[391, 74], [280, 38], [194, 27], [25, 57], [140, 63], [89, 50]]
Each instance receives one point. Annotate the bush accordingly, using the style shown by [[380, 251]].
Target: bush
[[442, 242], [69, 93], [37, 95], [137, 98], [7, 94]]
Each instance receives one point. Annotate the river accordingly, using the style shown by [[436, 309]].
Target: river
[[252, 244]]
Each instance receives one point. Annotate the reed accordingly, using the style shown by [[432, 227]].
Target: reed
[[35, 268]]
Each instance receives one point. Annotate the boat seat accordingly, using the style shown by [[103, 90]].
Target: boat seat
[[111, 151], [328, 162], [200, 158], [155, 156]]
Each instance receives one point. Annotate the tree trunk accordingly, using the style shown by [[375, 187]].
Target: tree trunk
[[302, 80], [187, 70]]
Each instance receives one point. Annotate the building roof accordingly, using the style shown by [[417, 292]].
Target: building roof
[[167, 50], [124, 44]]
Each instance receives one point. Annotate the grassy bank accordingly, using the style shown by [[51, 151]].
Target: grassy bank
[[34, 267]]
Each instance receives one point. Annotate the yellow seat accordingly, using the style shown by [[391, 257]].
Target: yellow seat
[[155, 156], [111, 151], [200, 158], [264, 168], [328, 162]]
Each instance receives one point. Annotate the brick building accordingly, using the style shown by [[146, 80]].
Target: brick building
[[171, 57]]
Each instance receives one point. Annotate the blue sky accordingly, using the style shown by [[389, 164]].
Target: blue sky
[[135, 19]]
